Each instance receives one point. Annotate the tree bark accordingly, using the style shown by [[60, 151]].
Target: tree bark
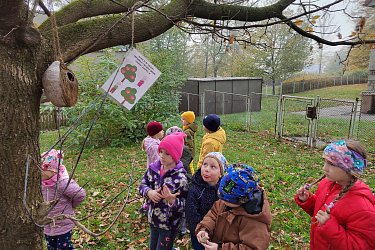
[[20, 91]]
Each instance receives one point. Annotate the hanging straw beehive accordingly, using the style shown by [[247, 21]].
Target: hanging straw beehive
[[60, 85]]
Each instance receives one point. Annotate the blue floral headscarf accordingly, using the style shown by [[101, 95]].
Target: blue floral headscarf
[[348, 160]]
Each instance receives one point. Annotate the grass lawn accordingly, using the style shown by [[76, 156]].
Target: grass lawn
[[337, 92], [283, 167]]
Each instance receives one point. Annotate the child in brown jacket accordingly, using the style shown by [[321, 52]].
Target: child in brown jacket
[[241, 218]]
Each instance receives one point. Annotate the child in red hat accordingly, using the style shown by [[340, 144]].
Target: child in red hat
[[150, 144]]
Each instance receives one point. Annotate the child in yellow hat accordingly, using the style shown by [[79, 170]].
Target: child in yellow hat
[[190, 128]]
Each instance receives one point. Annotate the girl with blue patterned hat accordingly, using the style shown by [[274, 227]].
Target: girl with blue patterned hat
[[241, 218], [342, 208]]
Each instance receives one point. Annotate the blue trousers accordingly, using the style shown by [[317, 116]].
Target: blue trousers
[[60, 242], [161, 239]]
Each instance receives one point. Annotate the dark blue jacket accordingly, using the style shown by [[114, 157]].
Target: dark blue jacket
[[200, 199]]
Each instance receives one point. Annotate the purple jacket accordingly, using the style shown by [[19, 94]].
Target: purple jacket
[[160, 214], [150, 145], [72, 197]]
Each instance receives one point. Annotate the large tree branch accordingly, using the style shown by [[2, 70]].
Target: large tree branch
[[99, 33], [80, 35], [206, 10], [81, 9]]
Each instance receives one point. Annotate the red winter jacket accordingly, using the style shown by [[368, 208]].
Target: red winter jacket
[[352, 219]]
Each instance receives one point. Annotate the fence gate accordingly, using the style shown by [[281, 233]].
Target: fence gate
[[336, 119], [297, 118], [366, 121]]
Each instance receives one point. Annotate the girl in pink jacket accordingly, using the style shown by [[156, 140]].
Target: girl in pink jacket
[[342, 208], [55, 186]]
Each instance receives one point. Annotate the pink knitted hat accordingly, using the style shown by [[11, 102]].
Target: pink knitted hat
[[51, 160], [173, 144]]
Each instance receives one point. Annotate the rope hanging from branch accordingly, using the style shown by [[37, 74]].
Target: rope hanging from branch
[[59, 83]]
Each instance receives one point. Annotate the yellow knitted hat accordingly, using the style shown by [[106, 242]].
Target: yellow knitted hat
[[189, 116]]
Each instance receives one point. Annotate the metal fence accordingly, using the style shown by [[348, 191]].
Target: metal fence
[[314, 121], [309, 84]]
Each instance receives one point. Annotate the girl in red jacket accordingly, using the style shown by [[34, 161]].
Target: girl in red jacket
[[342, 208]]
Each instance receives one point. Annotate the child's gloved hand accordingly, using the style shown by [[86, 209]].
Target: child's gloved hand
[[303, 193], [154, 195], [202, 237]]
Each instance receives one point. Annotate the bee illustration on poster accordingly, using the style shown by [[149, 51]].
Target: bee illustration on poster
[[131, 80]]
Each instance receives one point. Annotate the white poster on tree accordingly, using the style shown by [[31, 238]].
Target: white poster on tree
[[131, 80]]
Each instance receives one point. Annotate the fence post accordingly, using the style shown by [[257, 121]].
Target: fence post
[[347, 79], [280, 117], [313, 126], [303, 86], [223, 106], [188, 100], [248, 112], [353, 119], [203, 108], [294, 87]]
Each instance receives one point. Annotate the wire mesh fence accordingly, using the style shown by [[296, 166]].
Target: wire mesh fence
[[336, 119], [293, 122], [264, 119], [365, 128], [310, 84], [289, 116], [283, 115]]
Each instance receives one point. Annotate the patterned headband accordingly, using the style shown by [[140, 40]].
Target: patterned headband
[[348, 160]]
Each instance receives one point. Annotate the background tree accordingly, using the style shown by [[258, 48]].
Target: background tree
[[82, 27], [283, 54], [359, 55]]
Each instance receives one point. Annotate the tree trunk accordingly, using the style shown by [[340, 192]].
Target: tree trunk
[[20, 91]]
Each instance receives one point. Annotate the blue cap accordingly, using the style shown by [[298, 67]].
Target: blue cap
[[211, 122], [238, 185]]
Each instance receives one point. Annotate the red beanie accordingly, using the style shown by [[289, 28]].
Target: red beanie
[[153, 128], [173, 144]]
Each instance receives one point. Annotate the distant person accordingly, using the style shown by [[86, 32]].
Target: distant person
[[342, 208], [214, 139], [203, 192], [165, 186], [55, 179], [190, 129], [241, 218]]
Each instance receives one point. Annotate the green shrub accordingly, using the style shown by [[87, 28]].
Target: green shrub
[[116, 126]]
